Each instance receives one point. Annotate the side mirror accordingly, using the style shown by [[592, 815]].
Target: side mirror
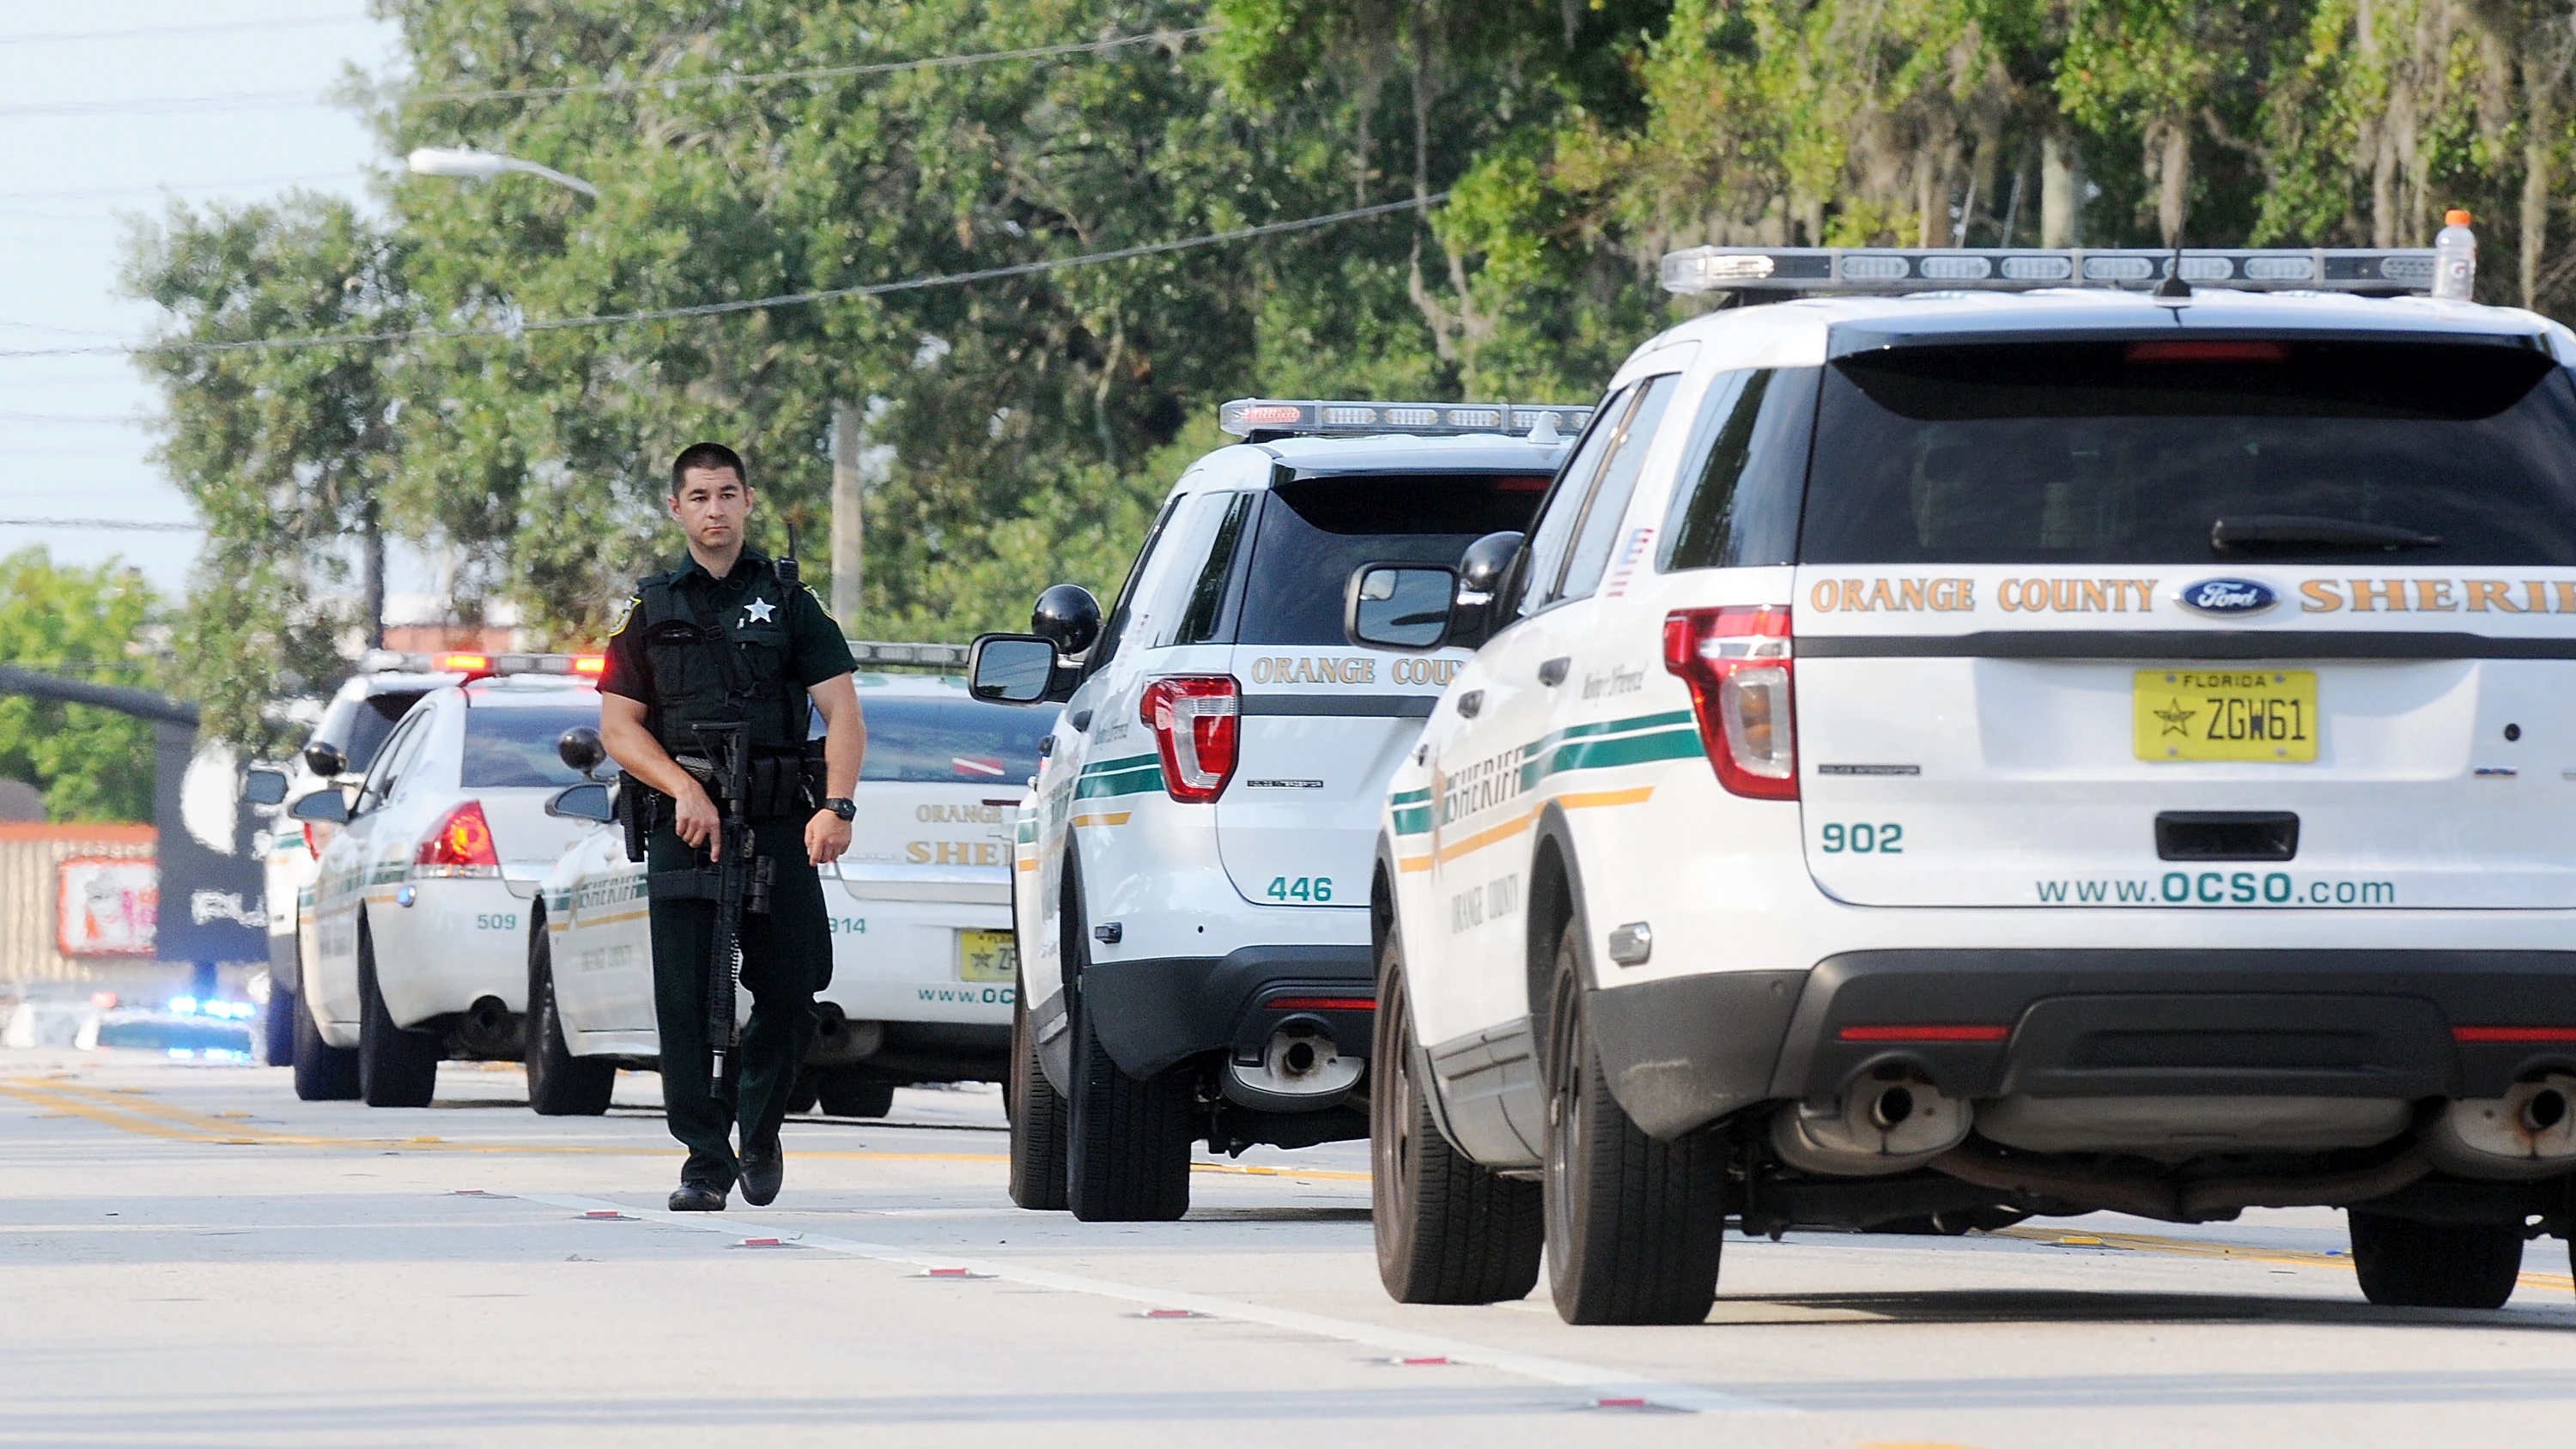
[[1398, 606], [580, 748], [1012, 669], [1068, 617], [264, 785], [325, 760], [326, 806], [581, 802], [1484, 571]]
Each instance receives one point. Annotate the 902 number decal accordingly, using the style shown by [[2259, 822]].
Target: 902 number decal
[[1312, 888], [1887, 839]]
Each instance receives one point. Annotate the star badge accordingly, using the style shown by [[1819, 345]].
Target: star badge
[[2175, 717], [758, 611]]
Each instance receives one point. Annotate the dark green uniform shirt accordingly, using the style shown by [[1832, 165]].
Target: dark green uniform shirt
[[783, 644]]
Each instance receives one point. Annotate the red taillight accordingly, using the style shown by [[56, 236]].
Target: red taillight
[[459, 844], [1737, 663], [1193, 720], [2208, 351]]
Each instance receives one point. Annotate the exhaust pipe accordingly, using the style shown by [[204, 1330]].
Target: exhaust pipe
[[1301, 1067], [2529, 1132], [1876, 1128]]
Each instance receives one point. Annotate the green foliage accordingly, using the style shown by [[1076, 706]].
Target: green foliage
[[1034, 421], [86, 624]]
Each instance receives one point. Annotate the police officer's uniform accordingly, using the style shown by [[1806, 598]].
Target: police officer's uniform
[[781, 644]]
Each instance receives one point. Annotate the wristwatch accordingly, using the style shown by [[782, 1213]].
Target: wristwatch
[[843, 806]]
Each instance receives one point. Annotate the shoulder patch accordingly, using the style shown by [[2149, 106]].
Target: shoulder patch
[[625, 612]]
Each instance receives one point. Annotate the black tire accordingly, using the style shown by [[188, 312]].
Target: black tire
[[559, 1083], [846, 1095], [277, 1027], [2434, 1265], [323, 1072], [807, 1094], [1038, 1125], [1634, 1226], [1127, 1157], [396, 1068], [1448, 1230]]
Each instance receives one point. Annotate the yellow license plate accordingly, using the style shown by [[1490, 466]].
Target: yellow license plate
[[2226, 714], [987, 956]]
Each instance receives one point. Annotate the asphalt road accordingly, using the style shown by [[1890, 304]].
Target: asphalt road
[[188, 1255]]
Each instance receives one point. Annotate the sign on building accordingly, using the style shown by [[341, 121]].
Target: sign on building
[[106, 906]]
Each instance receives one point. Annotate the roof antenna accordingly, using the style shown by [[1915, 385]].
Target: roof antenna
[[2173, 287]]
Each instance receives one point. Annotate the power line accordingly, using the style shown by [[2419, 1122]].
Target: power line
[[40, 37], [287, 100], [101, 193], [754, 304], [127, 525]]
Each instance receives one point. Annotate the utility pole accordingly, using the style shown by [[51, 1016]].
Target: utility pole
[[848, 528]]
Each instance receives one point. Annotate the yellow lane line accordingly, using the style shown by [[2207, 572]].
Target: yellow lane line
[[2194, 1248], [132, 1112]]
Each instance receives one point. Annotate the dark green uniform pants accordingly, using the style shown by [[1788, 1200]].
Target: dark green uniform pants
[[786, 958]]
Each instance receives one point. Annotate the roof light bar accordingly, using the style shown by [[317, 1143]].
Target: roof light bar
[[1263, 418], [874, 653], [1701, 270], [474, 664]]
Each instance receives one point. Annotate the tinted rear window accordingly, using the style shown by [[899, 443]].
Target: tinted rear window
[[1314, 532], [507, 747], [359, 726], [2122, 451], [951, 741]]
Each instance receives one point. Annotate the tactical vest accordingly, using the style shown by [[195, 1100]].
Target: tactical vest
[[719, 671]]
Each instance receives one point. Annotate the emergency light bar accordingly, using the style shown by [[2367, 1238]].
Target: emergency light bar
[[2014, 269], [879, 653], [1262, 418], [474, 664]]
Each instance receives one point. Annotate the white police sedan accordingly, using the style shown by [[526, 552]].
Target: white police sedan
[[924, 973], [420, 900]]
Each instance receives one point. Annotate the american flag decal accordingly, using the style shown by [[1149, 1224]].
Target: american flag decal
[[1638, 539]]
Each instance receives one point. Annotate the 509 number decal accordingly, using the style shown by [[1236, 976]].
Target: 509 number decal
[[1314, 888], [1887, 839]]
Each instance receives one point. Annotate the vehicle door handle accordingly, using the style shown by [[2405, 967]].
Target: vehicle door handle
[[1468, 704], [1552, 673]]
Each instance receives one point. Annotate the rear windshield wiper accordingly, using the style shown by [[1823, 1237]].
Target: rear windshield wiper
[[2294, 531]]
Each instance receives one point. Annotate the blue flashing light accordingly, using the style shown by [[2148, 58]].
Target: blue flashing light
[[183, 1054], [183, 1006]]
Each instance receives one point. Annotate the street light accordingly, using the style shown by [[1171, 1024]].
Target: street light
[[485, 165]]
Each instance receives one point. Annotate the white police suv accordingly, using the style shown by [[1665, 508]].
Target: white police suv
[[922, 972], [2002, 748], [1193, 873], [336, 756], [422, 893]]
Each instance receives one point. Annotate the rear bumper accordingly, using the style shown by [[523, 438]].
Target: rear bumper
[[1686, 1051], [1156, 1013]]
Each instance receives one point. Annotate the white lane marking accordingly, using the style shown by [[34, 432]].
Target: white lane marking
[[1595, 1383]]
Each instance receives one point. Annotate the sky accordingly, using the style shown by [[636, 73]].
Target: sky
[[90, 139]]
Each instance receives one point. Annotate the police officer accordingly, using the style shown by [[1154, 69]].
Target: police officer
[[722, 639]]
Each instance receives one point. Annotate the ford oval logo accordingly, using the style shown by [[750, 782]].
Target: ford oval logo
[[2228, 596]]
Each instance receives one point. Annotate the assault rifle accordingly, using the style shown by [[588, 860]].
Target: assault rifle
[[742, 881]]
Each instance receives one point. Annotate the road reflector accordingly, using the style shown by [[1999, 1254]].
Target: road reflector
[[1169, 1313], [606, 1215]]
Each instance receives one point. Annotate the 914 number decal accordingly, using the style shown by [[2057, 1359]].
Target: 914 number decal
[[1312, 888], [1886, 839]]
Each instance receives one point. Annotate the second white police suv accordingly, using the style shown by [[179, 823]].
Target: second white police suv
[[1192, 895], [1948, 756]]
